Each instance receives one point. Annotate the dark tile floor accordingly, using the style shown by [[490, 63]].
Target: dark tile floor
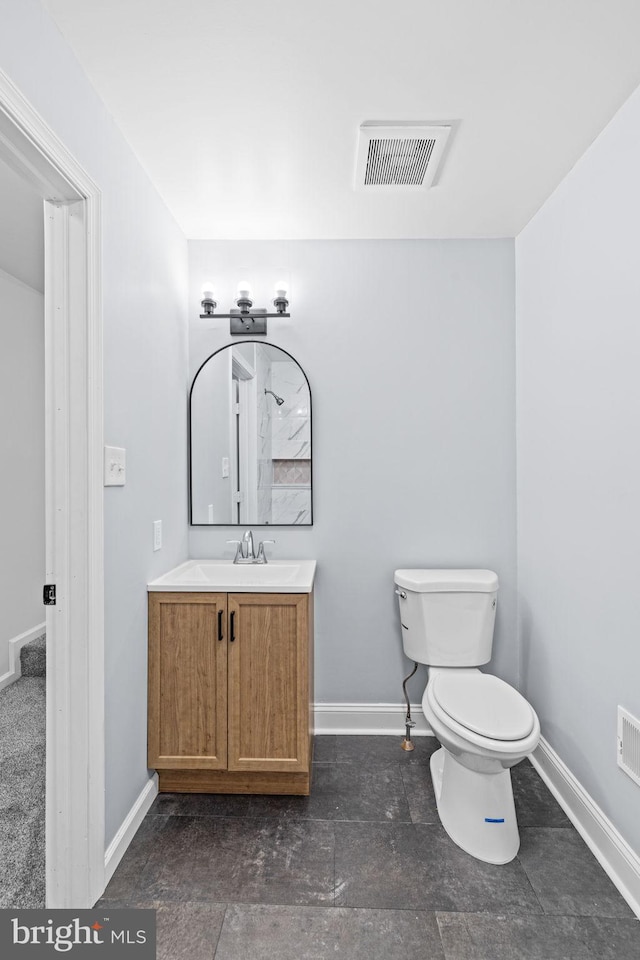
[[362, 870]]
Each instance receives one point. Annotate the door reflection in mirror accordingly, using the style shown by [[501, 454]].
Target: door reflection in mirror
[[250, 438]]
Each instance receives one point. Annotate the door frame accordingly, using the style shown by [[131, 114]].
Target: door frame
[[75, 774], [245, 433]]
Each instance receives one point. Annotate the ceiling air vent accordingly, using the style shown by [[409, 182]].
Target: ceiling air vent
[[399, 156]]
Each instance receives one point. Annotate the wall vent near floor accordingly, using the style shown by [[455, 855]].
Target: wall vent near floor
[[629, 744], [399, 156]]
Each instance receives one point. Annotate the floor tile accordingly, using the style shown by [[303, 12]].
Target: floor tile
[[202, 805], [244, 860], [343, 792], [487, 937], [420, 794], [535, 804], [184, 931], [188, 931], [417, 866], [324, 749], [363, 869], [566, 876], [124, 883], [381, 750], [314, 933]]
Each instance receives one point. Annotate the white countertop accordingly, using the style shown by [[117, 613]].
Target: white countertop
[[222, 576]]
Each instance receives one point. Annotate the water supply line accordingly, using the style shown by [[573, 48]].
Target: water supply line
[[407, 743]]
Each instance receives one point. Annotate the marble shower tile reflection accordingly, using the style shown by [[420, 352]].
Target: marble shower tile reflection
[[290, 383], [291, 424], [265, 479], [290, 506], [291, 438]]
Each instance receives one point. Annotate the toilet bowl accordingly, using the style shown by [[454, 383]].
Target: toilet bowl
[[483, 724], [485, 728]]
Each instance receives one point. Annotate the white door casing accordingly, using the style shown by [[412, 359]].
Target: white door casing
[[74, 501]]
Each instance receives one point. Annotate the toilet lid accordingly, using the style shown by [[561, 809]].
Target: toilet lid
[[485, 704]]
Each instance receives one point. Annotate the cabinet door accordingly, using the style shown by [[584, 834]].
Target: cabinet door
[[269, 682], [188, 681]]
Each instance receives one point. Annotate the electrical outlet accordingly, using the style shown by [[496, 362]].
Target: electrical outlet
[[157, 534]]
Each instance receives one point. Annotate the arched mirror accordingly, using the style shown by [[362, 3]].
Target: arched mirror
[[250, 438]]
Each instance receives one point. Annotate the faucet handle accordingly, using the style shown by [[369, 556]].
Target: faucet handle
[[262, 557], [238, 544]]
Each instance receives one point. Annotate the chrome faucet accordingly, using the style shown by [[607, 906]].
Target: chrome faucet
[[245, 551], [246, 546]]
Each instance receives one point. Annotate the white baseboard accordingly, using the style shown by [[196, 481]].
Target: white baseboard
[[15, 645], [610, 849], [128, 829], [368, 719]]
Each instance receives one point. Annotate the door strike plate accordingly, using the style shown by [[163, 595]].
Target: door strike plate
[[49, 594]]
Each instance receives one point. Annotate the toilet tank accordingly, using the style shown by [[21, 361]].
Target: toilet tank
[[447, 616]]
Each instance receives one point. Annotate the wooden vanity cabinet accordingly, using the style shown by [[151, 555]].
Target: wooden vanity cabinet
[[231, 691]]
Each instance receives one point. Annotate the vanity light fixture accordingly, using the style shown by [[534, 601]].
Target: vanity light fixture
[[245, 318]]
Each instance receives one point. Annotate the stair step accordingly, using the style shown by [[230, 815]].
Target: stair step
[[33, 658]]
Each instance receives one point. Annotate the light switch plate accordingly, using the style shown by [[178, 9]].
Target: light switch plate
[[114, 466], [157, 534]]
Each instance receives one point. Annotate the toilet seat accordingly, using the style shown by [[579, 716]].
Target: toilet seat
[[484, 704], [482, 709]]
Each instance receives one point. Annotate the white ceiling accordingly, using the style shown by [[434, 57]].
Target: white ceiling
[[245, 112]]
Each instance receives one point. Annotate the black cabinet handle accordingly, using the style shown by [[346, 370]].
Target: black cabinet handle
[[232, 624], [220, 637]]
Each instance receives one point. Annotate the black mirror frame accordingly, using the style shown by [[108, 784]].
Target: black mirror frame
[[227, 346]]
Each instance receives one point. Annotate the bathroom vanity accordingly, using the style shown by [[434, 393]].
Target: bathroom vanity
[[231, 677]]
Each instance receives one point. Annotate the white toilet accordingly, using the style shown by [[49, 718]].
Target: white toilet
[[484, 725]]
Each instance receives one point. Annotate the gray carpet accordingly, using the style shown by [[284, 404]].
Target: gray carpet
[[22, 787], [33, 658]]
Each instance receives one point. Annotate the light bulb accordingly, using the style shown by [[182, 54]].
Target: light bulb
[[281, 290], [244, 290], [208, 293]]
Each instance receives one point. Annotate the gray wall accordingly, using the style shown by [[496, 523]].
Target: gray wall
[[409, 351], [22, 561], [579, 464], [145, 361], [22, 229]]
